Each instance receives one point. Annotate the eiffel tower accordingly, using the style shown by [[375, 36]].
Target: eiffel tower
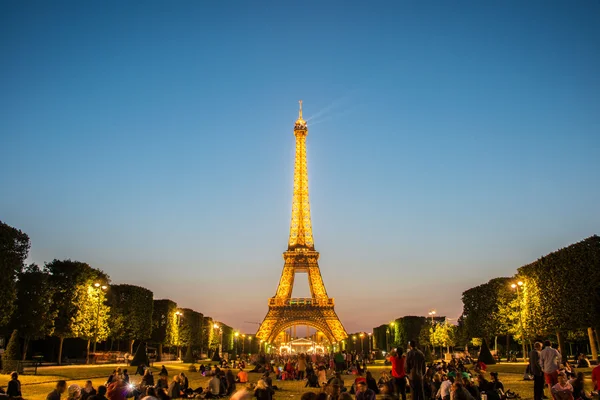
[[316, 311]]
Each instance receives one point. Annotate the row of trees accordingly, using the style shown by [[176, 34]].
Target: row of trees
[[555, 297], [70, 299]]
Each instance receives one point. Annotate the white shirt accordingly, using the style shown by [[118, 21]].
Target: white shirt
[[549, 360], [444, 389]]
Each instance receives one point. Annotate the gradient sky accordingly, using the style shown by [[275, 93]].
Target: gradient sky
[[453, 142]]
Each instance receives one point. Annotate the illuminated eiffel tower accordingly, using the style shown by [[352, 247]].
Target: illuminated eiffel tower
[[316, 311]]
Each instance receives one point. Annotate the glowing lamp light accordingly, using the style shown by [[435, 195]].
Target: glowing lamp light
[[97, 284], [513, 286], [215, 326], [237, 334], [520, 283], [104, 287]]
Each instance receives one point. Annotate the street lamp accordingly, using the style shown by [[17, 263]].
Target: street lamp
[[236, 335], [100, 288], [370, 342], [516, 287], [243, 342], [431, 314]]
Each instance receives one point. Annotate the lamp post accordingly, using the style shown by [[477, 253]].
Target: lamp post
[[387, 333], [432, 314], [236, 335], [216, 326], [516, 287], [370, 342], [250, 344], [243, 342], [362, 350], [99, 287]]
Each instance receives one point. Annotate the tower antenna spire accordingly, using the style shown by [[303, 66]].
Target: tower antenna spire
[[300, 112]]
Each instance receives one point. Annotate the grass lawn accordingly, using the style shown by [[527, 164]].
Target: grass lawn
[[36, 387]]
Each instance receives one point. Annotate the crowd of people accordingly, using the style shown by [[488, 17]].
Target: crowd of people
[[459, 379]]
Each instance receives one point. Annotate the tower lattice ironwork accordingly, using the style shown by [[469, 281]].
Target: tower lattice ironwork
[[318, 310]]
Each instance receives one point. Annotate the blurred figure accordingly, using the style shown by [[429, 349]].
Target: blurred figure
[[87, 391], [61, 387], [14, 386]]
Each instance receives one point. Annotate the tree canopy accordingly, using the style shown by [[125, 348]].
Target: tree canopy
[[14, 248], [131, 312]]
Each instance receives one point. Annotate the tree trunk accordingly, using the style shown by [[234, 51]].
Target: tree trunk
[[25, 346], [87, 354], [160, 350], [507, 347], [561, 346], [60, 348], [131, 346], [593, 343], [597, 341]]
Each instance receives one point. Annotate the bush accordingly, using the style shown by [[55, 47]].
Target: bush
[[485, 355], [12, 354], [140, 356]]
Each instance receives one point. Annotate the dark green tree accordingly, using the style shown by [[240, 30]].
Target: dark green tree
[[70, 279], [131, 313], [34, 315], [12, 354], [547, 285], [165, 328], [14, 248], [480, 308]]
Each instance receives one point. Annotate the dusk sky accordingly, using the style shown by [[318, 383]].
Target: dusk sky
[[450, 143]]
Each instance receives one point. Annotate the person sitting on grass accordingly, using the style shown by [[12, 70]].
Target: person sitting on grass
[[74, 392], [362, 391], [242, 376], [579, 387], [497, 384], [262, 391], [14, 386], [88, 390], [487, 387], [100, 395], [61, 387], [563, 390]]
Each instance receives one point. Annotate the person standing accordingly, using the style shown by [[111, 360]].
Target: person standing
[[398, 360], [596, 378], [550, 363], [535, 369], [416, 368]]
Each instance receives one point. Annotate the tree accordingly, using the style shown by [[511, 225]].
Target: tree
[[443, 334], [480, 308], [546, 286], [14, 248], [12, 354], [165, 328], [91, 319], [131, 313], [34, 316], [71, 280]]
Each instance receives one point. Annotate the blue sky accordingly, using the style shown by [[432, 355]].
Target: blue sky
[[453, 142]]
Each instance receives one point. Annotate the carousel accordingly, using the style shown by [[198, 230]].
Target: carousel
[[302, 345]]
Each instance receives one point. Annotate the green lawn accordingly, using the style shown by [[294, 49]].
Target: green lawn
[[36, 387]]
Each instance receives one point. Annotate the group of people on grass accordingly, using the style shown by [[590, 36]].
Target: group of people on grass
[[563, 382], [409, 374]]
